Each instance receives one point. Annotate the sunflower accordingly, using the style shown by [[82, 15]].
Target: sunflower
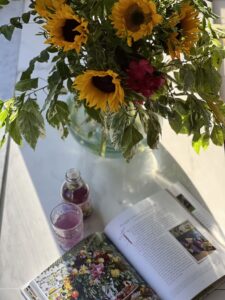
[[186, 31], [134, 19], [66, 29], [45, 7], [101, 89]]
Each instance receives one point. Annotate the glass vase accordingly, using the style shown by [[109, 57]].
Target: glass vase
[[89, 133]]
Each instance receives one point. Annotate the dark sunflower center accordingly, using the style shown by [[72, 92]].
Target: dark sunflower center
[[104, 84], [134, 17], [179, 30], [137, 18], [68, 30]]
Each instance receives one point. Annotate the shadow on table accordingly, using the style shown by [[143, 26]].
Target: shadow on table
[[114, 183]]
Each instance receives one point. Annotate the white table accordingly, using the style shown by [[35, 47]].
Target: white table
[[27, 244]]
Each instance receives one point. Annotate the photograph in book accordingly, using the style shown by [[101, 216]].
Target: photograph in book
[[192, 240], [184, 202], [92, 270], [198, 210]]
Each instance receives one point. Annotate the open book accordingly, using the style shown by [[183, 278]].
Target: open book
[[153, 250]]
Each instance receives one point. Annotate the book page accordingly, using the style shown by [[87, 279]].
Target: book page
[[196, 209], [32, 291], [92, 270], [168, 247]]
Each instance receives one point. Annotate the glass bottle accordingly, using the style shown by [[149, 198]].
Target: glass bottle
[[75, 190]]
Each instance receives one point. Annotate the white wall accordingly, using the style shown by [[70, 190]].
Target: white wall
[[9, 51]]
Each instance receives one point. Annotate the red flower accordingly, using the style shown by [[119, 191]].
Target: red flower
[[104, 256], [143, 78], [75, 294]]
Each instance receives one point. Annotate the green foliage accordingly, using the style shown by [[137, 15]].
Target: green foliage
[[31, 122], [217, 135], [131, 137], [58, 116], [7, 31], [3, 3], [25, 121], [27, 84], [15, 22]]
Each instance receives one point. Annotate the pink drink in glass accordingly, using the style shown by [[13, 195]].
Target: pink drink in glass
[[67, 221]]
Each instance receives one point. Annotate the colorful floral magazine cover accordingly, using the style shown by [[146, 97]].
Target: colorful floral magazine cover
[[93, 270]]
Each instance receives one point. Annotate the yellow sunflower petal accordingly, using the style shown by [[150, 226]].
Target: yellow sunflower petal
[[100, 89], [66, 29], [134, 19], [186, 26]]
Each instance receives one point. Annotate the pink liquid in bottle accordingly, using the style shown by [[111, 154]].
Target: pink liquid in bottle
[[78, 196], [76, 191]]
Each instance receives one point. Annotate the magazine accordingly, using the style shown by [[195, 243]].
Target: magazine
[[153, 250]]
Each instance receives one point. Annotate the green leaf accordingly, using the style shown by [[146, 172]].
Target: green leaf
[[7, 31], [70, 85], [3, 139], [1, 104], [26, 17], [180, 107], [118, 122], [205, 141], [200, 141], [131, 137], [63, 70], [16, 22], [31, 122], [3, 116], [52, 49], [208, 80], [14, 132], [197, 142], [216, 59], [58, 116], [55, 85], [93, 113], [4, 2], [187, 76], [27, 84], [154, 130], [186, 125], [217, 135], [175, 122], [44, 56], [27, 73]]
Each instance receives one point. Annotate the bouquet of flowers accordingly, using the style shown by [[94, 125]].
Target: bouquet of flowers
[[126, 62]]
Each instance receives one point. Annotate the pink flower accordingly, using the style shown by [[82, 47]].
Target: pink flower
[[97, 270], [143, 78]]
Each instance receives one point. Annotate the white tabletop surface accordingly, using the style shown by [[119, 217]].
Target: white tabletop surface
[[27, 244]]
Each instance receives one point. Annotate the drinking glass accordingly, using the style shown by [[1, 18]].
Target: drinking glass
[[67, 222]]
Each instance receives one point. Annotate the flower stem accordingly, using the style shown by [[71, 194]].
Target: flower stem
[[217, 114], [102, 148]]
